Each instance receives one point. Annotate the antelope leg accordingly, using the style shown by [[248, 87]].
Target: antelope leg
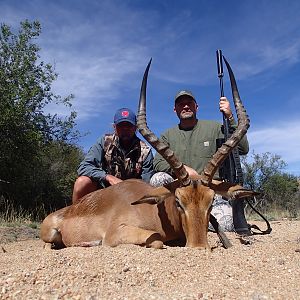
[[127, 234]]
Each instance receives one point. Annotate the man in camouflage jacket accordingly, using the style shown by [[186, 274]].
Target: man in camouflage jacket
[[114, 158]]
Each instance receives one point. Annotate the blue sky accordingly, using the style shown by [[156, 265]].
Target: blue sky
[[101, 48]]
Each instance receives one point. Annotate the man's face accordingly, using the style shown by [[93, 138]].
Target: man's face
[[186, 108], [125, 131]]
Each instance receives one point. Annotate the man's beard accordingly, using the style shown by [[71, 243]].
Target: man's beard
[[187, 115], [125, 137]]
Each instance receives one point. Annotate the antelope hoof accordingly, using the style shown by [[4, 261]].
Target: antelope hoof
[[48, 246], [154, 241]]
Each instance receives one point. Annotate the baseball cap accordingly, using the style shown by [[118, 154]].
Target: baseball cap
[[125, 115], [184, 93]]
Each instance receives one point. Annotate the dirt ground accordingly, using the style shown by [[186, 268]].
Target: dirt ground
[[261, 267]]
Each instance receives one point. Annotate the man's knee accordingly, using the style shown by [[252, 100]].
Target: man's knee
[[222, 211], [83, 185], [83, 181], [160, 179]]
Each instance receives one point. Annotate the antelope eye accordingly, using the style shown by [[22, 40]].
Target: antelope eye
[[178, 204]]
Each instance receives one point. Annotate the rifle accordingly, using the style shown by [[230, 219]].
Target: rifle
[[230, 170]]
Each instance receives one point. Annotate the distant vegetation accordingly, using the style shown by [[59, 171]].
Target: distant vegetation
[[39, 152], [279, 191], [39, 155]]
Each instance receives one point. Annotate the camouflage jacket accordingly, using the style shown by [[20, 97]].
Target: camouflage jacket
[[108, 157]]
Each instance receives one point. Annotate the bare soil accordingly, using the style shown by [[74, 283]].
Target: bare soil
[[259, 267]]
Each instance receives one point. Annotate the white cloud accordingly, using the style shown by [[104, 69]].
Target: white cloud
[[96, 57], [95, 82], [282, 139]]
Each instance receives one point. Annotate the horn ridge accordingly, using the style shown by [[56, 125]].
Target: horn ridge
[[163, 149], [227, 147]]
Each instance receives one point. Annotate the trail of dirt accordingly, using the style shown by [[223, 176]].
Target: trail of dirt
[[266, 268]]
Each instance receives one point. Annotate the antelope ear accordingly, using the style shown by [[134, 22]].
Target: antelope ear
[[242, 193], [158, 195], [230, 190], [150, 200]]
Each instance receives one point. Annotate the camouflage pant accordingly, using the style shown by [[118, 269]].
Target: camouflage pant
[[221, 208]]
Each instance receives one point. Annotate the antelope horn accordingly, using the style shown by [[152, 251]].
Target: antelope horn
[[243, 125], [163, 149]]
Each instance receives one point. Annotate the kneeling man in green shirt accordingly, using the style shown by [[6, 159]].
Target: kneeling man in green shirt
[[194, 142]]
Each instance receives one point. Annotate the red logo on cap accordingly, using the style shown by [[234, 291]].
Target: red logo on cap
[[125, 113]]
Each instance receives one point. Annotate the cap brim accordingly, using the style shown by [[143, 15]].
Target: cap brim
[[185, 95], [125, 120]]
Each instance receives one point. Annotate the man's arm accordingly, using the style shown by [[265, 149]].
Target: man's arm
[[243, 145], [91, 166], [159, 163], [224, 104], [147, 167]]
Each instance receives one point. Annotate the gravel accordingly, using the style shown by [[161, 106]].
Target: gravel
[[263, 267]]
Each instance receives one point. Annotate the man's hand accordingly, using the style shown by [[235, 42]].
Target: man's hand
[[191, 171], [112, 179], [225, 107]]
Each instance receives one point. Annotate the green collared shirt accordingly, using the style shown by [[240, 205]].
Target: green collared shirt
[[194, 147]]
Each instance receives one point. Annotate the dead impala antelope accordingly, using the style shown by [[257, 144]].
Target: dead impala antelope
[[133, 212]]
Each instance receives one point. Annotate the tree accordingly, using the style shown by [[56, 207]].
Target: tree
[[278, 189], [26, 130], [282, 191], [260, 168]]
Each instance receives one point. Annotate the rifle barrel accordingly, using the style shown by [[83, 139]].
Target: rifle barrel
[[220, 70]]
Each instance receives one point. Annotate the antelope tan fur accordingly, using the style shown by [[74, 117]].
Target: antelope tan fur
[[134, 212]]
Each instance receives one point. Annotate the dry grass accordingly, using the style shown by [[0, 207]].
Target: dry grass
[[16, 216]]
